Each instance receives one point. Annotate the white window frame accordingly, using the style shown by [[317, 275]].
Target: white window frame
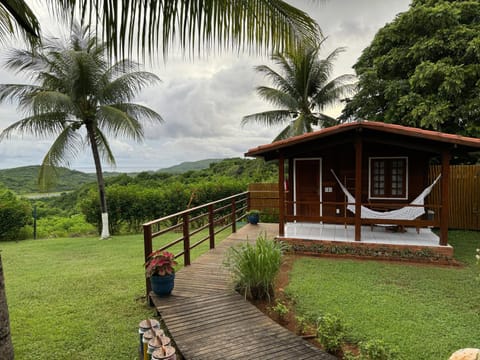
[[370, 197]]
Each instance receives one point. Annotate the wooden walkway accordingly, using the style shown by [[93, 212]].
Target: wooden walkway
[[208, 320]]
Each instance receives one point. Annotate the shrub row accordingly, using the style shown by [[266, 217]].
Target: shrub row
[[129, 206]]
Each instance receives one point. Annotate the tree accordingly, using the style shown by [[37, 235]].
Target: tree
[[147, 26], [15, 213], [76, 88], [302, 90], [16, 15], [6, 346], [422, 69], [196, 25]]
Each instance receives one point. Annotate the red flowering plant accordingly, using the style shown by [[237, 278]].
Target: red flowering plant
[[160, 263]]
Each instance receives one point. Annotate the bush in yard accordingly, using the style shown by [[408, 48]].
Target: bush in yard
[[377, 350], [330, 332], [254, 267], [15, 213], [281, 310], [69, 226]]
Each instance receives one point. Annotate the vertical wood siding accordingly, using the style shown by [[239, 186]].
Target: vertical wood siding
[[464, 196]]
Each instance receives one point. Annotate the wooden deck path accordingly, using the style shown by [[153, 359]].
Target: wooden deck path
[[208, 320]]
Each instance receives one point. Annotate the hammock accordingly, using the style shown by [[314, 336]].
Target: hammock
[[406, 213]]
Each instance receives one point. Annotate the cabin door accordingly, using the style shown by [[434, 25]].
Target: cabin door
[[308, 185]]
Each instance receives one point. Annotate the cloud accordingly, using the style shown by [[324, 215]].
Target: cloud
[[203, 101]]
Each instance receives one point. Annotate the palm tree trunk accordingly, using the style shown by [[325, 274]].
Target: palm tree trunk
[[100, 181], [6, 346]]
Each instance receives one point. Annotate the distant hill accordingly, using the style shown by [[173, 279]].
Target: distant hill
[[24, 180], [189, 166]]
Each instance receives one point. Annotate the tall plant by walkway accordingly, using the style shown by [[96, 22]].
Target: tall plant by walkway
[[79, 98], [301, 91], [254, 267]]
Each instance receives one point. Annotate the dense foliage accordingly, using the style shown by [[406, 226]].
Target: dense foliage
[[135, 199], [423, 69], [15, 214]]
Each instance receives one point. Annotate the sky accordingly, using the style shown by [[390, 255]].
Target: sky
[[203, 101]]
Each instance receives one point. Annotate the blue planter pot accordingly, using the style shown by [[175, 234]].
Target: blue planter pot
[[253, 219], [162, 285]]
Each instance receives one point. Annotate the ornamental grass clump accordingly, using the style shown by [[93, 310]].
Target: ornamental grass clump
[[160, 263], [254, 267]]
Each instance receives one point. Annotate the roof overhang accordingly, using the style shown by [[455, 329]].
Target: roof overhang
[[424, 140]]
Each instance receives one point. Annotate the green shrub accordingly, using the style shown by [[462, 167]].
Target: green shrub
[[330, 332], [254, 267], [302, 324], [15, 213], [129, 206], [280, 309], [56, 226], [377, 350]]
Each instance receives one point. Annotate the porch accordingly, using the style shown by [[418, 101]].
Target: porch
[[375, 234], [378, 242]]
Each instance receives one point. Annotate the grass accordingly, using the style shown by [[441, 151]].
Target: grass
[[78, 298], [421, 309]]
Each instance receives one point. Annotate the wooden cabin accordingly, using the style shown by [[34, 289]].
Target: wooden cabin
[[383, 167]]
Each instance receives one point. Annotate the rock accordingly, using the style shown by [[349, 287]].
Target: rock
[[466, 354]]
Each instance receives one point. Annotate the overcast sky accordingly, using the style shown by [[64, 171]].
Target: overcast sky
[[203, 101]]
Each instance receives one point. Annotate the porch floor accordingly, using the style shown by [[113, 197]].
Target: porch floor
[[377, 234]]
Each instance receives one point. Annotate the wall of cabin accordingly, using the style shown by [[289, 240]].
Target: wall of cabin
[[342, 160]]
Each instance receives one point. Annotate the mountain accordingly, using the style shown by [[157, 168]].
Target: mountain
[[189, 166], [24, 180]]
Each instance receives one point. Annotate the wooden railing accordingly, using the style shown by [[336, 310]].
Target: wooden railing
[[430, 219], [215, 216]]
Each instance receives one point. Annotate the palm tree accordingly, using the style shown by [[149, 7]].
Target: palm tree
[[16, 15], [76, 88], [302, 90], [195, 25]]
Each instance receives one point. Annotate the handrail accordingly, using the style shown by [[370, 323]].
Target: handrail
[[228, 210], [194, 208]]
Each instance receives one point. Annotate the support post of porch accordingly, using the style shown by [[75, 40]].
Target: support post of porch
[[281, 197], [445, 197], [358, 187]]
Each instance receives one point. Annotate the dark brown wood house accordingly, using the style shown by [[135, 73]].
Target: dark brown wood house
[[365, 174]]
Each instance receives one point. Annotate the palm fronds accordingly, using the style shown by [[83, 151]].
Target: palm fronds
[[301, 90], [195, 26]]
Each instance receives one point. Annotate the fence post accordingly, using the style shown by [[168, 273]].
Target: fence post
[[186, 240], [147, 248], [249, 201], [211, 226], [234, 216]]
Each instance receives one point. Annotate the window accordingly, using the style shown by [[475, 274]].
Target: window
[[388, 178]]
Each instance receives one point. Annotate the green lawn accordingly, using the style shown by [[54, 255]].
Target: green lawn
[[77, 298], [427, 311]]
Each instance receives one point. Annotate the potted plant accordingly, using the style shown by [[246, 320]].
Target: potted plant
[[159, 267], [253, 216]]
